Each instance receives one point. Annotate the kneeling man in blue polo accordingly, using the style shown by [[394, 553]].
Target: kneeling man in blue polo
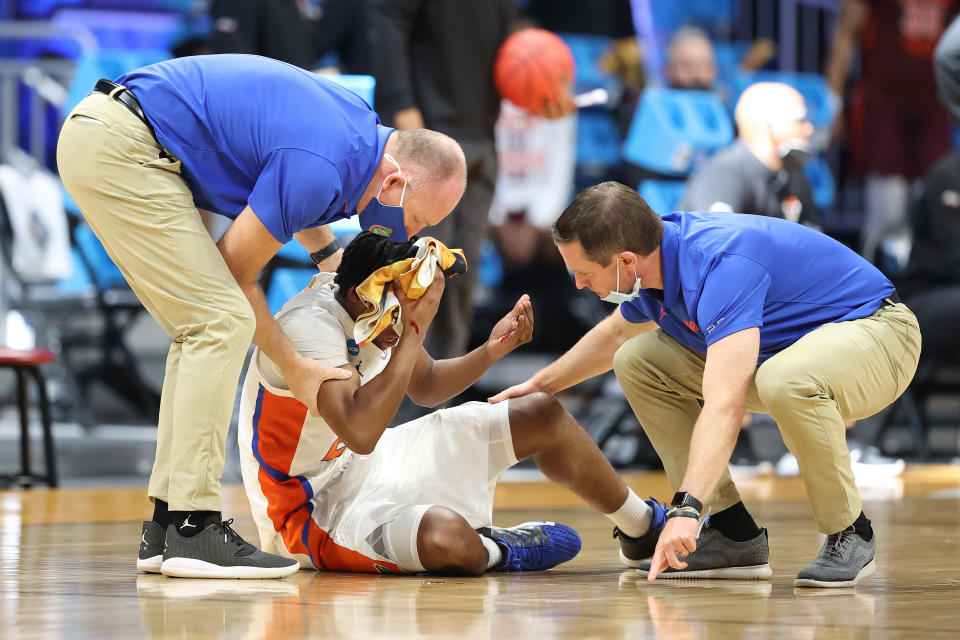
[[721, 314]]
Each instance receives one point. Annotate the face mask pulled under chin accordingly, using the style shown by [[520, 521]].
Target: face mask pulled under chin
[[794, 154], [616, 297], [383, 219]]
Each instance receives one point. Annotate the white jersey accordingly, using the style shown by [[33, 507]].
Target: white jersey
[[290, 455]]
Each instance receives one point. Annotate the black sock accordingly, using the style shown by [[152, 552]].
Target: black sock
[[862, 526], [160, 514], [735, 523], [190, 523]]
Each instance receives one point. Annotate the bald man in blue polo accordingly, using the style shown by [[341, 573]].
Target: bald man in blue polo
[[282, 152]]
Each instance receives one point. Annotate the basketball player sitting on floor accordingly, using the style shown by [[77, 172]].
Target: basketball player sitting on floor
[[341, 492]]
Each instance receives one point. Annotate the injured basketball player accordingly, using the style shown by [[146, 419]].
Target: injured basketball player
[[340, 491]]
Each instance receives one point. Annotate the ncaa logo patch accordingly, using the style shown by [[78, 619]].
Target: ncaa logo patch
[[352, 347]]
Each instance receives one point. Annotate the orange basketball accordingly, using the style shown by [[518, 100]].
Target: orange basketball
[[533, 67]]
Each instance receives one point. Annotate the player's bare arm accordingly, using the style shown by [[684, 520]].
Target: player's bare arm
[[591, 356], [360, 414], [246, 247], [730, 366], [435, 381]]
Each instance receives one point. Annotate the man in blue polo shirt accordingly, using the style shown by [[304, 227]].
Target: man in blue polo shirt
[[281, 151], [739, 313]]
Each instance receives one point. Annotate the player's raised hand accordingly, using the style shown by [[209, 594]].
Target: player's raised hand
[[306, 379], [513, 330]]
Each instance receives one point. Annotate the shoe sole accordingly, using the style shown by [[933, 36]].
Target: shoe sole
[[754, 572], [150, 565], [193, 568], [867, 570], [627, 562]]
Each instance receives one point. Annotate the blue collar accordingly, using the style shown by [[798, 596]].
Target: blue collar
[[382, 134], [670, 265]]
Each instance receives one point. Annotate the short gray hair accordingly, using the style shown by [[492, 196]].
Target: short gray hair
[[429, 157]]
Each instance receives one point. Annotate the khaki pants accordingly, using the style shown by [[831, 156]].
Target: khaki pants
[[837, 372], [143, 212]]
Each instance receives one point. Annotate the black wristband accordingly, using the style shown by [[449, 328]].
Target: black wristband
[[683, 512], [326, 252]]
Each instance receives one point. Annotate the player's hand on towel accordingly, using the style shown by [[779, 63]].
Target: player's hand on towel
[[417, 314], [306, 380], [513, 330]]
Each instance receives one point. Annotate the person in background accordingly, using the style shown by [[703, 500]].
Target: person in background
[[278, 29], [897, 128], [434, 66], [690, 60], [762, 171]]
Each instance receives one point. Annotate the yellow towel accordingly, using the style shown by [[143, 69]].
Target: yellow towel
[[414, 274]]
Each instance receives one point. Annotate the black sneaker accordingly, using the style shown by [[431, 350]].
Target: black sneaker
[[533, 546], [634, 550], [219, 552], [150, 556]]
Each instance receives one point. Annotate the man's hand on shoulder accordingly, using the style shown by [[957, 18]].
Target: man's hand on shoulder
[[305, 381], [513, 330]]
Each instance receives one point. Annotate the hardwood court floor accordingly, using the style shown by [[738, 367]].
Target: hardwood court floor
[[67, 562]]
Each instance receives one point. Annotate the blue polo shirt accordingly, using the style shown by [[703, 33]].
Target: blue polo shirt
[[726, 272], [298, 148]]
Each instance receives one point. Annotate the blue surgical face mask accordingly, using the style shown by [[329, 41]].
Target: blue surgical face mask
[[617, 297], [384, 219]]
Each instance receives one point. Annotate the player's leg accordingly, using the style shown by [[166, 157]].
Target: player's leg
[[663, 381], [871, 361]]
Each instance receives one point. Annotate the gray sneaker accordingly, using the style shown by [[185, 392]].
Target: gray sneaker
[[151, 547], [219, 552], [845, 559], [719, 557]]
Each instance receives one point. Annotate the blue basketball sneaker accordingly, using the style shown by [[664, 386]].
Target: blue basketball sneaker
[[533, 546]]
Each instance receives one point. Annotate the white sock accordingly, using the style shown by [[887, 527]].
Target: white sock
[[633, 517], [494, 552]]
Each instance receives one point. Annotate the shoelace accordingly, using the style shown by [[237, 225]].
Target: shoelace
[[529, 544], [229, 535], [837, 541]]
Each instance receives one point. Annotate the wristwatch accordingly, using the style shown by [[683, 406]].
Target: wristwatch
[[326, 252], [684, 499]]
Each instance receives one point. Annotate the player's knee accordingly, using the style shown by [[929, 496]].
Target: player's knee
[[535, 421], [446, 542]]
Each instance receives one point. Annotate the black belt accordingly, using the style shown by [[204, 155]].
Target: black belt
[[122, 95], [891, 300]]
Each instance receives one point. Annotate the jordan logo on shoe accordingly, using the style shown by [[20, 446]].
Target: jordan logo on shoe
[[143, 539], [187, 523]]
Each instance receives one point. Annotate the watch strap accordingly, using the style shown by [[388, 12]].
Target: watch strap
[[326, 252]]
